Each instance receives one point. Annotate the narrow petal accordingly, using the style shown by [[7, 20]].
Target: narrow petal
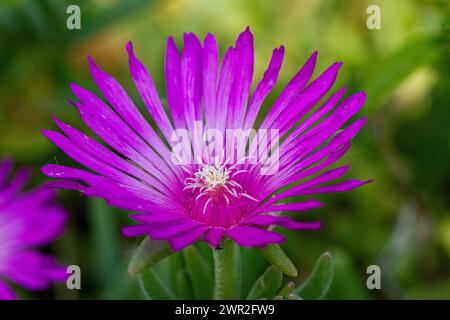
[[186, 239], [247, 236], [5, 292], [147, 90], [85, 159], [172, 70], [243, 76], [33, 270], [324, 109], [214, 236], [323, 178], [224, 88], [331, 154], [122, 103], [191, 76], [126, 197], [306, 100], [134, 231], [285, 222], [109, 158], [345, 186], [263, 220], [264, 86], [300, 225], [210, 73], [5, 168], [291, 90], [299, 206], [116, 133], [170, 230]]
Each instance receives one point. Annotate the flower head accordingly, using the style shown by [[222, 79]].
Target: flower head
[[190, 179], [27, 220]]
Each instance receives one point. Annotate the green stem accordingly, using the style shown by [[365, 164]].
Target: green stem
[[225, 271]]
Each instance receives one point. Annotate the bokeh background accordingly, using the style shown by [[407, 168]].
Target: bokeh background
[[401, 221]]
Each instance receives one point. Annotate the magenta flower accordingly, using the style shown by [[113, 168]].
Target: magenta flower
[[207, 198], [27, 220]]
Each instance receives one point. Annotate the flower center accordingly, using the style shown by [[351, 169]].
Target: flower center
[[212, 177], [215, 183]]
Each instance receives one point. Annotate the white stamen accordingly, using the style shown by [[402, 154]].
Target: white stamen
[[206, 205], [248, 196], [227, 199], [215, 181]]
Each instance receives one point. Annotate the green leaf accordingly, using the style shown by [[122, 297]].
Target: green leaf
[[179, 281], [182, 288], [387, 74], [148, 254], [293, 296], [199, 273], [276, 256], [267, 285], [347, 281], [153, 287], [286, 290], [319, 281], [253, 265], [105, 242]]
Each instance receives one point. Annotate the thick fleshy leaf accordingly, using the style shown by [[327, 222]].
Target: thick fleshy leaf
[[276, 256], [148, 254], [267, 285], [286, 290], [319, 281]]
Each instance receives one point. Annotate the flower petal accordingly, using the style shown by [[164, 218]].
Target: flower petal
[[299, 206], [172, 70], [264, 86], [247, 236], [5, 292], [180, 242], [214, 236], [243, 75], [291, 90], [147, 91], [210, 73]]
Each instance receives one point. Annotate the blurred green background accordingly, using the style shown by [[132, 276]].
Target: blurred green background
[[401, 221]]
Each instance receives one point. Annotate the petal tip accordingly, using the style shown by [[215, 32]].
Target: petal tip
[[129, 47]]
